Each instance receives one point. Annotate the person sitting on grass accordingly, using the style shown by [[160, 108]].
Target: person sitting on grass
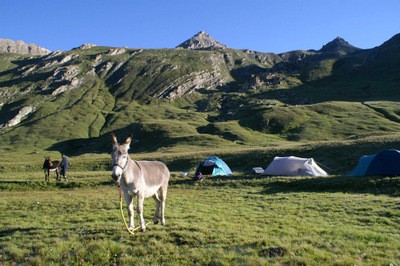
[[198, 176]]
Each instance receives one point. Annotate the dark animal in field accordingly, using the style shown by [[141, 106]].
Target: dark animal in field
[[51, 166], [142, 179]]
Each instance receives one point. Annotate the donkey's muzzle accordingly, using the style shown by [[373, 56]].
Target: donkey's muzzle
[[116, 172], [115, 177]]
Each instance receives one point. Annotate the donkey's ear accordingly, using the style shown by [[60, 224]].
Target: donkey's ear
[[114, 139], [128, 141]]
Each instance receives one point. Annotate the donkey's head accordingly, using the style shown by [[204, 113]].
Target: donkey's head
[[120, 157], [47, 162]]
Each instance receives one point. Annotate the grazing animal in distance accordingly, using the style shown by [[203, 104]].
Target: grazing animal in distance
[[142, 179], [50, 166]]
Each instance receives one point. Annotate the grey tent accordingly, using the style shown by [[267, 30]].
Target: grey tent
[[294, 166]]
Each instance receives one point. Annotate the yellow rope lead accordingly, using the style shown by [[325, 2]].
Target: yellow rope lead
[[123, 217]]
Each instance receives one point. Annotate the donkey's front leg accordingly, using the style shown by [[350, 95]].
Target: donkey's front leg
[[46, 175], [140, 200], [129, 202]]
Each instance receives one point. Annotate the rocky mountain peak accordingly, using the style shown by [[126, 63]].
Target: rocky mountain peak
[[85, 46], [338, 46], [19, 47], [201, 41], [393, 42]]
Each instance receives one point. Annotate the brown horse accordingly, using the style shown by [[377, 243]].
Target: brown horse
[[53, 166], [142, 179]]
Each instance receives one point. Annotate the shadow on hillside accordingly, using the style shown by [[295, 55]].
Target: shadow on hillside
[[142, 141], [243, 74], [23, 185], [76, 147], [375, 185], [20, 64], [13, 231], [351, 79], [20, 79], [10, 110], [324, 90]]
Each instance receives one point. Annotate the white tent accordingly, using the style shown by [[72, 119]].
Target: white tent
[[294, 166]]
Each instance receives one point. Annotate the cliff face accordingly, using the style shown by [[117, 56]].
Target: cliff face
[[19, 47]]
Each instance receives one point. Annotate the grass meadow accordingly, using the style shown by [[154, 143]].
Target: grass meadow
[[241, 220]]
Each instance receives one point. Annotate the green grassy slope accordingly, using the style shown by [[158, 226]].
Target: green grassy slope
[[181, 99]]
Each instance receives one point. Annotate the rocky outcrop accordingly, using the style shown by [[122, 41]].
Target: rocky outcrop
[[201, 41], [19, 47], [189, 83], [85, 46], [24, 111], [66, 75], [116, 51]]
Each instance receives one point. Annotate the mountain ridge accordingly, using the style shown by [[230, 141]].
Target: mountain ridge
[[20, 47], [200, 41], [175, 97]]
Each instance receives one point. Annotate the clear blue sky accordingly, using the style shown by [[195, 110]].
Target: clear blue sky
[[261, 25]]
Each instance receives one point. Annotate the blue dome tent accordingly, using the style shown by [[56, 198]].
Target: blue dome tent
[[213, 166], [362, 166]]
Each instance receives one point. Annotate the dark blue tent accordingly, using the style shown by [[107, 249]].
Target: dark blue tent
[[386, 162]]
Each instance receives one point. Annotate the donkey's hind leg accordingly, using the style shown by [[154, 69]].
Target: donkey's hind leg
[[158, 204], [163, 199]]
